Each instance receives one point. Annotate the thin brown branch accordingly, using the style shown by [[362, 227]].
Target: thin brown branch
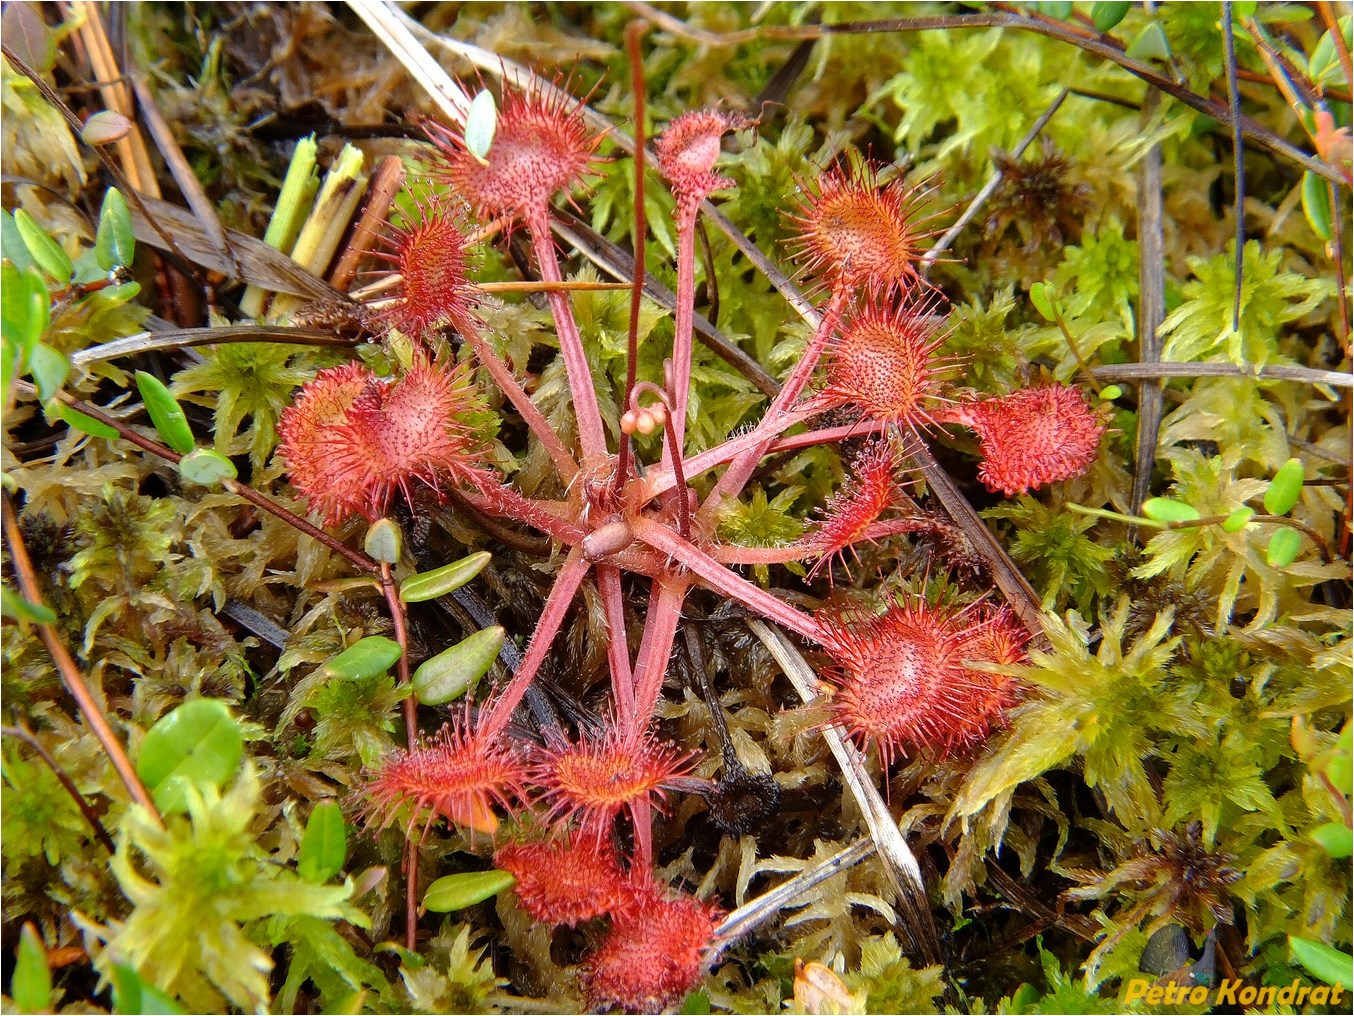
[[1262, 136], [71, 677], [21, 731], [1276, 372], [410, 708], [182, 338]]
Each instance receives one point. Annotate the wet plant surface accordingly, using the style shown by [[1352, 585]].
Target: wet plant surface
[[704, 508]]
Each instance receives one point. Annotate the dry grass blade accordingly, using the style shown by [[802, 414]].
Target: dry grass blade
[[132, 152], [521, 77], [993, 182], [1271, 372], [257, 263], [900, 864], [765, 907], [1151, 308], [182, 338]]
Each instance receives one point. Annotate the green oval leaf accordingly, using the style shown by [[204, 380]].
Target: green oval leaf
[[384, 542], [1238, 520], [481, 122], [47, 253], [440, 581], [1324, 67], [133, 995], [372, 655], [1321, 961], [15, 606], [87, 424], [1059, 9], [1106, 16], [12, 246], [1041, 295], [448, 674], [1340, 769], [166, 413], [31, 988], [1316, 205], [1111, 392], [25, 307], [1150, 44], [1285, 489], [324, 844], [1163, 509], [207, 467], [1335, 838], [198, 741], [114, 244], [455, 892], [1283, 548], [49, 368]]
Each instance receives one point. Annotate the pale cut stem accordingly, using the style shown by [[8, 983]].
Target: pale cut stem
[[722, 580], [552, 617], [735, 478], [521, 401], [591, 434]]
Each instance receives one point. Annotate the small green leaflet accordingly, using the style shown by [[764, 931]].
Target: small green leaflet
[[454, 892]]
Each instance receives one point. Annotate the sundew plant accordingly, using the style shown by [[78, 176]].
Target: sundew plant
[[831, 508]]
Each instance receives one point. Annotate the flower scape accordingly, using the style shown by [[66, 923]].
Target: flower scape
[[722, 633]]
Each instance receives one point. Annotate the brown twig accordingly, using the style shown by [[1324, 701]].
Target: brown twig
[[183, 338], [1277, 372], [21, 731], [71, 677], [410, 708], [999, 18]]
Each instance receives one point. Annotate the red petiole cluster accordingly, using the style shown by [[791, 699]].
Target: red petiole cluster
[[903, 679]]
